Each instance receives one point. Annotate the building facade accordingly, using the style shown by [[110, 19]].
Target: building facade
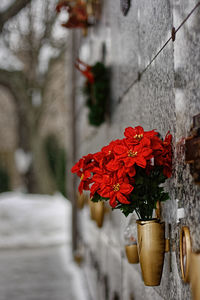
[[163, 96]]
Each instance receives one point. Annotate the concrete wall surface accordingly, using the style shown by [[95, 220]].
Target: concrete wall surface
[[166, 98]]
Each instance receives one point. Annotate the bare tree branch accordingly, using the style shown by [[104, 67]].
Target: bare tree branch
[[11, 11], [36, 48]]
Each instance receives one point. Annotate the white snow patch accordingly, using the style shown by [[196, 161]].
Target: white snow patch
[[79, 285], [8, 60], [28, 220], [36, 98], [22, 160], [4, 4], [58, 31], [46, 53]]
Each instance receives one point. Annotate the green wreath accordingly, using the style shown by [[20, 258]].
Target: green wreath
[[97, 94]]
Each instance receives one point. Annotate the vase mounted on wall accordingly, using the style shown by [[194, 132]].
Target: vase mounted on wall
[[151, 250]]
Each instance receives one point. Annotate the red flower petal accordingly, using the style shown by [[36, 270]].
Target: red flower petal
[[122, 199], [141, 162], [97, 178], [131, 171], [113, 202], [93, 189], [126, 188], [121, 172], [113, 165], [105, 192], [130, 132], [120, 149], [146, 152], [130, 161]]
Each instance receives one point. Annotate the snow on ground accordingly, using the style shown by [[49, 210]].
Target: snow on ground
[[28, 220], [35, 247]]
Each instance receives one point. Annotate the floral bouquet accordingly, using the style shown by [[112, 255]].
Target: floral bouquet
[[128, 172], [77, 11], [81, 14]]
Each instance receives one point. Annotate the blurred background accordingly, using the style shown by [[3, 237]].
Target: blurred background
[[33, 103], [35, 214]]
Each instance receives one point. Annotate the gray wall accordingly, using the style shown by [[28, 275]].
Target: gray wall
[[166, 98]]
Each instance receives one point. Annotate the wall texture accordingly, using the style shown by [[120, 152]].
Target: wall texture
[[166, 98]]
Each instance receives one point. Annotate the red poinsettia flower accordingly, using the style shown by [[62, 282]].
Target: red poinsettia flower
[[168, 141], [97, 183], [86, 70], [118, 165], [73, 22], [77, 167], [164, 157], [167, 144], [83, 168], [85, 181], [80, 10], [104, 156], [108, 150], [62, 4], [111, 172], [114, 188], [108, 155], [136, 154], [138, 135], [85, 163], [156, 144]]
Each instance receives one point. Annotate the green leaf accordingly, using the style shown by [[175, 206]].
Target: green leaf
[[97, 198]]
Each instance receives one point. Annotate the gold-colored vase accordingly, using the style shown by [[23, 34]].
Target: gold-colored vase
[[151, 249], [132, 254], [195, 275], [85, 31], [80, 200], [99, 213], [92, 209]]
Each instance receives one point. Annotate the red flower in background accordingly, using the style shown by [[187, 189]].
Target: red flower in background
[[77, 13], [167, 153], [85, 181], [83, 168], [63, 4], [164, 157], [85, 70], [85, 163]]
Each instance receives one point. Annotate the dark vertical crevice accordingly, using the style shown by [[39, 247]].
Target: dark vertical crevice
[[73, 111]]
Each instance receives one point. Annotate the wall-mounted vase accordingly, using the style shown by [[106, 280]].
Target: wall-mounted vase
[[132, 254], [151, 250]]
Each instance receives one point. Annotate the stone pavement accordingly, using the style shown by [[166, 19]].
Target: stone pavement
[[37, 274]]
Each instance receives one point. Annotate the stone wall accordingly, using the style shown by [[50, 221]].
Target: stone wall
[[166, 98]]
